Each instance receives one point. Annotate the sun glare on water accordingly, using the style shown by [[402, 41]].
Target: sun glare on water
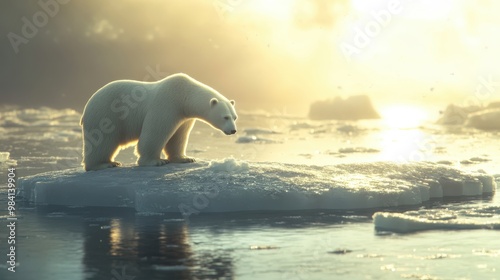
[[402, 139], [403, 116]]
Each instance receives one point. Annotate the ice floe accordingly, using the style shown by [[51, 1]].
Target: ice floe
[[231, 185]]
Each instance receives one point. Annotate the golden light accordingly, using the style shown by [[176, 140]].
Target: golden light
[[366, 7], [423, 9], [403, 116], [115, 237], [277, 10], [430, 10]]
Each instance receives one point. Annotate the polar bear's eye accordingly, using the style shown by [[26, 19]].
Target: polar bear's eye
[[226, 118]]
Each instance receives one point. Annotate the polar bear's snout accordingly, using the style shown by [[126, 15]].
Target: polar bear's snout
[[229, 131], [229, 127]]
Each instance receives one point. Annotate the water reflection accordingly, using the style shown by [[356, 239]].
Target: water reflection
[[406, 145], [117, 244], [160, 246], [138, 245]]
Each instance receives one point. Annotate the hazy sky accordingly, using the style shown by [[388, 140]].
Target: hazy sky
[[274, 55]]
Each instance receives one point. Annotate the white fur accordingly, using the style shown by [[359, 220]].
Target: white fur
[[158, 116]]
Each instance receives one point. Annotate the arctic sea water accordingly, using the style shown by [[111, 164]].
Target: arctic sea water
[[285, 198]]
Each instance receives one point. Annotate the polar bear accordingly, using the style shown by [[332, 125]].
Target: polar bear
[[158, 116]]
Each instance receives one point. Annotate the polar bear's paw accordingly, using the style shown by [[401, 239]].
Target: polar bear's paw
[[152, 162], [104, 165], [181, 159]]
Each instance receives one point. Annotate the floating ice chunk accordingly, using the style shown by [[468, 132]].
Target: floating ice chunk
[[357, 150], [438, 219], [254, 139], [251, 136], [4, 156], [445, 162], [259, 131], [263, 247], [169, 268], [247, 139], [6, 160], [301, 125], [348, 128], [479, 159]]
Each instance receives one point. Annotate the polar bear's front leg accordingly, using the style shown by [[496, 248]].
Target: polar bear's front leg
[[151, 143], [176, 145]]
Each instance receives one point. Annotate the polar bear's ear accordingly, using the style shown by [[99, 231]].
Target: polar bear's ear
[[232, 102], [213, 101]]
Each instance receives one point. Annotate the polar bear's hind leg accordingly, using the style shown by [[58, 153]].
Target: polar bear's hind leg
[[101, 155]]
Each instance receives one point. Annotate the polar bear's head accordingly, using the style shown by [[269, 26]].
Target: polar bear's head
[[222, 115]]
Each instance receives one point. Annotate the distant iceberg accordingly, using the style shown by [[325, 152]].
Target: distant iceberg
[[229, 185], [488, 119], [485, 118], [353, 108]]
